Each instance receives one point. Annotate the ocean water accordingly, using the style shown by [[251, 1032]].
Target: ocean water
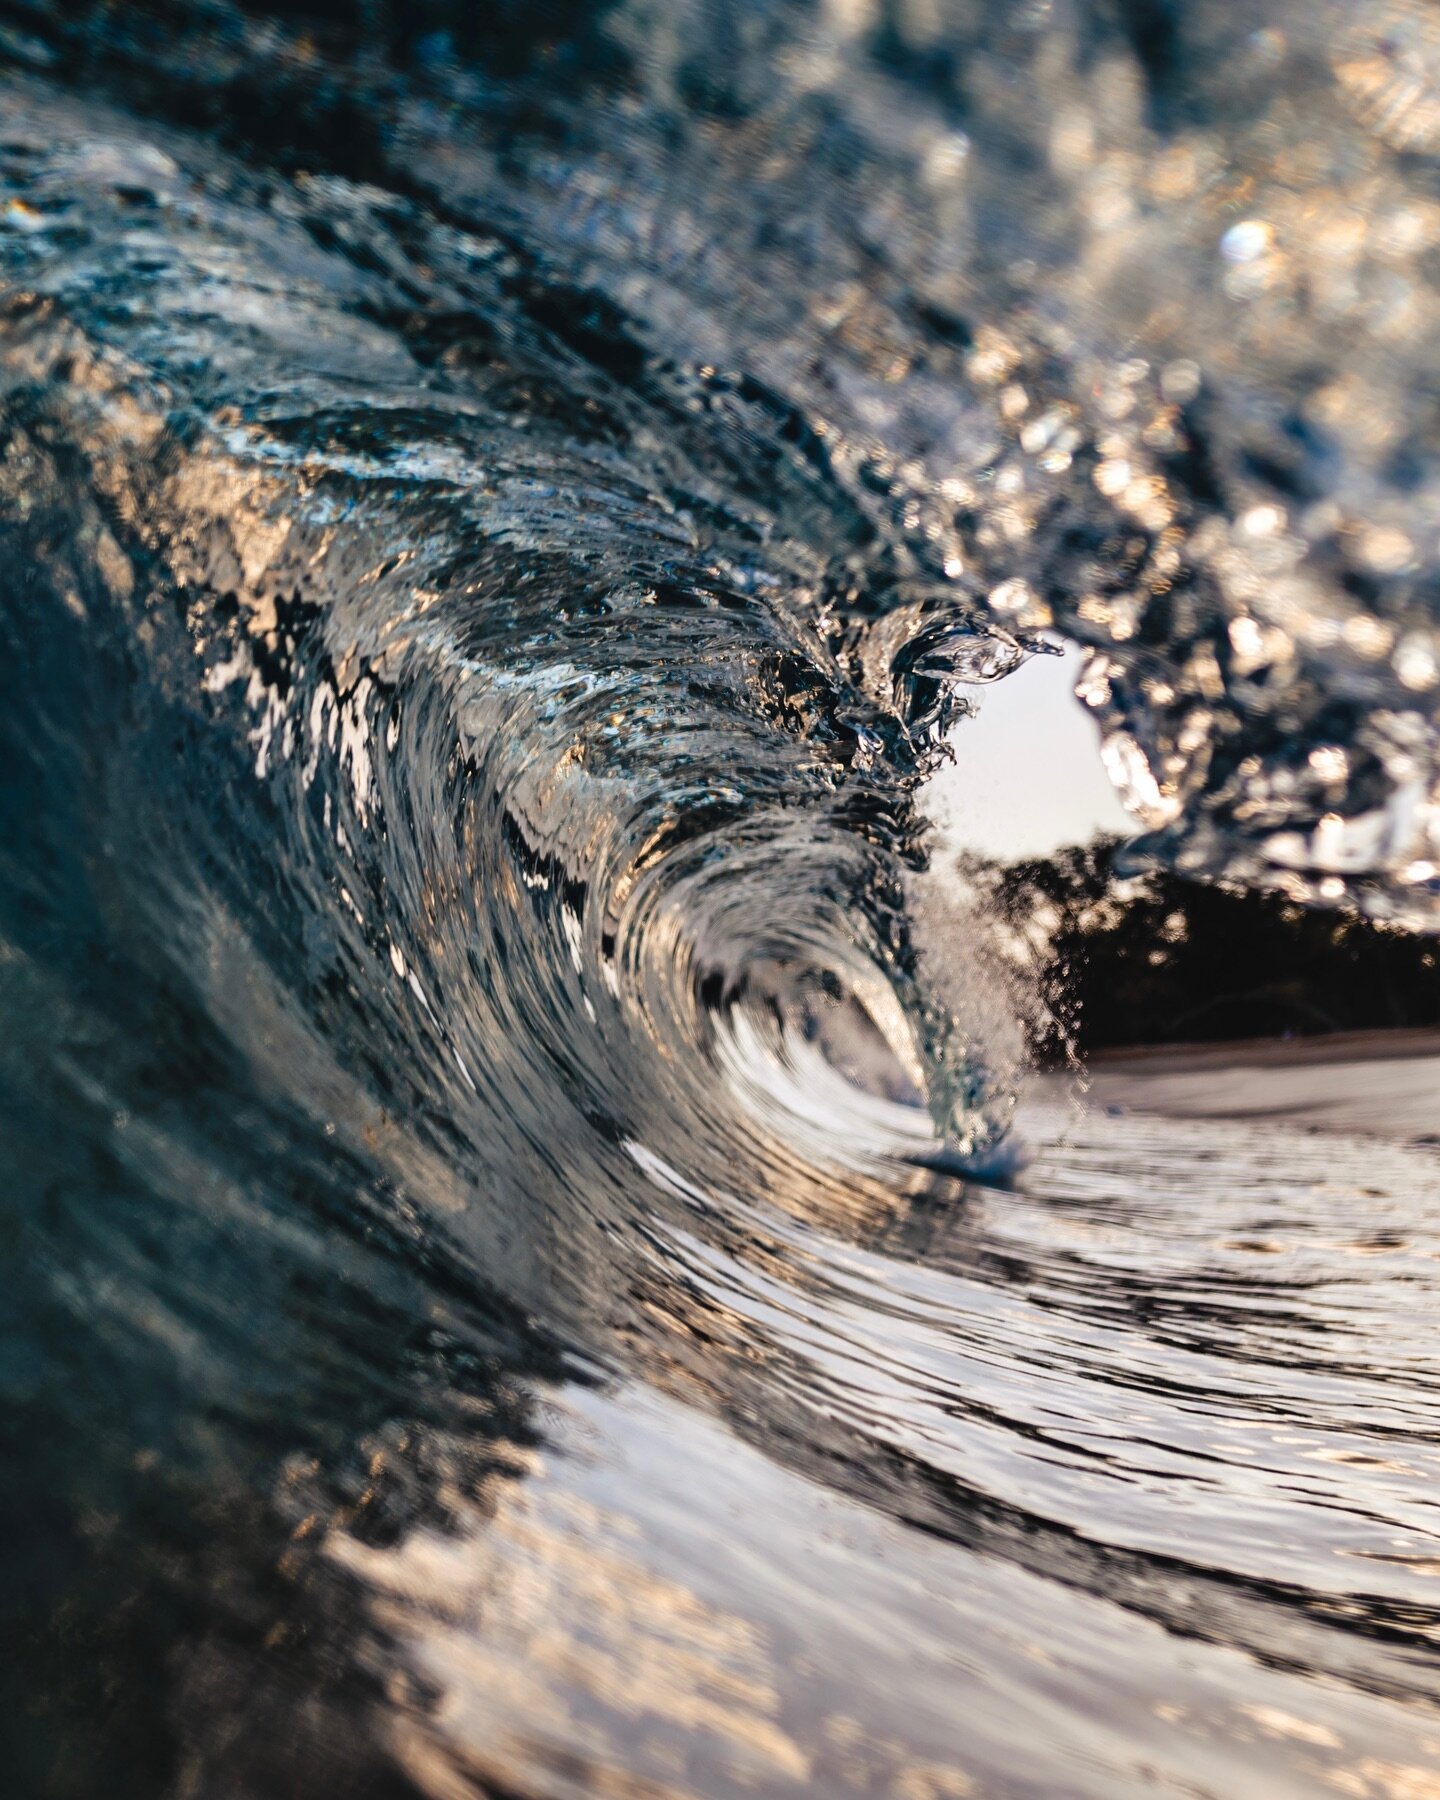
[[576, 1222]]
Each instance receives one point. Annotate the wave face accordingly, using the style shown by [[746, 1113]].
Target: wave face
[[499, 523]]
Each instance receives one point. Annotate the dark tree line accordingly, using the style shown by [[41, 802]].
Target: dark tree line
[[1159, 959]]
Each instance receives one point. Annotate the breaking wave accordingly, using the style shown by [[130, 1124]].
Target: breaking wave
[[499, 526]]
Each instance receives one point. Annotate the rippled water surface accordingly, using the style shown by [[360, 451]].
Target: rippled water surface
[[539, 1259]]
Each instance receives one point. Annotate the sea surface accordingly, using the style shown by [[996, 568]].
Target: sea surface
[[557, 1238]]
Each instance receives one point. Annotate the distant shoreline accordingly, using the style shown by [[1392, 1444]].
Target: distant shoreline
[[1275, 1053]]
